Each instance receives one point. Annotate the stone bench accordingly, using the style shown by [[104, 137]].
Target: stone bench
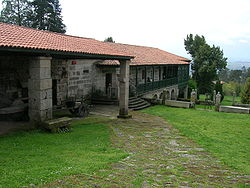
[[179, 104], [57, 125], [14, 109], [234, 109]]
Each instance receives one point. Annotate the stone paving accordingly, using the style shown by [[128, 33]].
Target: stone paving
[[159, 156]]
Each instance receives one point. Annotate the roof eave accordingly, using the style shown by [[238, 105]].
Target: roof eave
[[65, 53]]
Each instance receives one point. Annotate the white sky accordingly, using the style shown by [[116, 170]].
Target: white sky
[[163, 23]]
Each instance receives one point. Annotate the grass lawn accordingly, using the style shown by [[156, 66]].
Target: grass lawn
[[226, 135], [227, 101], [36, 157]]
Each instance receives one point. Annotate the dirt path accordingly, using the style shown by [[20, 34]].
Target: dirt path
[[159, 157]]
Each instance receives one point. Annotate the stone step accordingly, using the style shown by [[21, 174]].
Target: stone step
[[141, 107], [136, 102], [131, 98], [134, 99], [142, 103]]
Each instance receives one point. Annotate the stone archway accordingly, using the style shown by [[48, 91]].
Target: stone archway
[[155, 96], [161, 95]]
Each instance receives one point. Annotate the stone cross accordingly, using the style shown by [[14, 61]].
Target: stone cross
[[217, 103], [214, 96], [193, 96]]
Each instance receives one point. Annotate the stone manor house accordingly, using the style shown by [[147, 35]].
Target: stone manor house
[[44, 69]]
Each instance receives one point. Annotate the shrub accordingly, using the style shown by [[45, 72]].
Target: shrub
[[231, 87], [245, 93]]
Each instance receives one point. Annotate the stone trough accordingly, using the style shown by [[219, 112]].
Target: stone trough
[[234, 109], [179, 104]]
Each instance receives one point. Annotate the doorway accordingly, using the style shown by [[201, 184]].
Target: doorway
[[54, 92], [108, 81]]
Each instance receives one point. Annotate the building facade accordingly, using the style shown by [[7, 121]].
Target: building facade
[[44, 69]]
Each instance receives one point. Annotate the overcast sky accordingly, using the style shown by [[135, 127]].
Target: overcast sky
[[163, 23]]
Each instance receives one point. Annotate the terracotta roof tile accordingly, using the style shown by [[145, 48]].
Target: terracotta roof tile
[[13, 36], [146, 56]]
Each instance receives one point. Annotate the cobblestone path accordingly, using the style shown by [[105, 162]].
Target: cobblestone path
[[159, 156]]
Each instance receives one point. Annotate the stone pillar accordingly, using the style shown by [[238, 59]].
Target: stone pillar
[[217, 101], [193, 98], [164, 96], [186, 92], [124, 89], [214, 97], [40, 89]]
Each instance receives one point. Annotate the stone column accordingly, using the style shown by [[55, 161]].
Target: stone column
[[40, 89], [193, 98], [217, 101], [124, 89], [214, 97]]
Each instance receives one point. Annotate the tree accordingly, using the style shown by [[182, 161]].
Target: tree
[[16, 12], [245, 94], [224, 75], [47, 16], [218, 88], [39, 14], [109, 39], [207, 61]]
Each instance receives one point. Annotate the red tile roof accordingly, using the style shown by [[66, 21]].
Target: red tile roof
[[146, 56], [13, 36]]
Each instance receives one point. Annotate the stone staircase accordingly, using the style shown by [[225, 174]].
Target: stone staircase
[[136, 103]]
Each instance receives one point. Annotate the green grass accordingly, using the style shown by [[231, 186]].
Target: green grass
[[226, 135], [227, 101], [36, 157]]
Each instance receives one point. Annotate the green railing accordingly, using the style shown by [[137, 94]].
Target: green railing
[[150, 86]]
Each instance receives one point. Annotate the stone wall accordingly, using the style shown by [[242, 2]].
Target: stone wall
[[79, 77], [80, 74], [73, 78], [59, 74]]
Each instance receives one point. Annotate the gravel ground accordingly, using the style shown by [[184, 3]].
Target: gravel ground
[[159, 156]]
